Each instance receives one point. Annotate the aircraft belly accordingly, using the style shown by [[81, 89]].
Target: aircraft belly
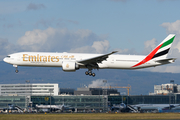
[[41, 64], [119, 65], [123, 65]]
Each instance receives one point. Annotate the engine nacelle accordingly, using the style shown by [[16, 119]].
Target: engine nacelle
[[69, 66]]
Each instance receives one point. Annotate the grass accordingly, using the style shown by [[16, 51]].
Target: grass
[[91, 116]]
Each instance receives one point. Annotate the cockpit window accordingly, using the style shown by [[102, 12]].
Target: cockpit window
[[8, 56]]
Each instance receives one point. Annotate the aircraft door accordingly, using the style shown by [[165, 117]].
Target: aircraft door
[[112, 59]]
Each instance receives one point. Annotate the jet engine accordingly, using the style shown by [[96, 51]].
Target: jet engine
[[69, 66]]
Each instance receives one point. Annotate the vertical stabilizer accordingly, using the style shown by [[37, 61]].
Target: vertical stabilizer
[[160, 52], [165, 46]]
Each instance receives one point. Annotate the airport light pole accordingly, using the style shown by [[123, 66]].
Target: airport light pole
[[169, 98], [172, 81], [27, 81], [106, 96], [27, 93], [99, 99], [105, 82], [50, 98]]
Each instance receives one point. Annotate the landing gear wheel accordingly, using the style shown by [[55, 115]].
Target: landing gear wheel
[[16, 71], [90, 73], [93, 74], [86, 72]]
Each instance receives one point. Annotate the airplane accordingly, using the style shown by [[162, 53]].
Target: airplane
[[12, 107], [156, 107], [55, 107], [146, 107], [74, 61], [120, 107]]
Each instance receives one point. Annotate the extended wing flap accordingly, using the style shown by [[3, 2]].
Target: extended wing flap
[[97, 59]]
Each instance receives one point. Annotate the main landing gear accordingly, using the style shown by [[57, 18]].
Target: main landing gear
[[90, 73]]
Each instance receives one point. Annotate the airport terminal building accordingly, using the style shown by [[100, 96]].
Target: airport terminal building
[[28, 89], [30, 95]]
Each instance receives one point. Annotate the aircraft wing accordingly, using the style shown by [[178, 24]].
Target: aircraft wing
[[96, 60]]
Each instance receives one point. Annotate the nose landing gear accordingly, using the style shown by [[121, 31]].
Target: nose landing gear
[[16, 68], [16, 71]]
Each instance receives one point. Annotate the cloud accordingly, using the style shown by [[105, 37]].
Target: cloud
[[33, 6], [172, 27], [125, 51], [97, 47], [99, 83], [101, 46], [6, 48], [84, 49], [167, 68], [149, 46], [63, 40]]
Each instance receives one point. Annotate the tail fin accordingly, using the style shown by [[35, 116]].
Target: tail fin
[[163, 48], [160, 52]]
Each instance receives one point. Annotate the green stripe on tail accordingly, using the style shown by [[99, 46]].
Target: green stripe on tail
[[167, 42]]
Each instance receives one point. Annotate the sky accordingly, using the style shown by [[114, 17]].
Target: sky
[[90, 26]]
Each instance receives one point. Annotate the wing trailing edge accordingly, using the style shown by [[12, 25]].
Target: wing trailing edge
[[97, 59]]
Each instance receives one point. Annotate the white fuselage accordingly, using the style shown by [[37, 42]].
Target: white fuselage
[[46, 59], [60, 107]]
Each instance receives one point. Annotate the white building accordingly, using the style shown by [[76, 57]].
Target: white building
[[165, 89], [28, 89]]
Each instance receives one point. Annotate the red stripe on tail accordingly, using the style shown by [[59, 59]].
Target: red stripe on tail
[[149, 57]]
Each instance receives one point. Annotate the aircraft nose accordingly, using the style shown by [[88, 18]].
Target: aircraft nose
[[5, 59]]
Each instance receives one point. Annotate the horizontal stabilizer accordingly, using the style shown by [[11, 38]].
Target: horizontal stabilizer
[[168, 60]]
